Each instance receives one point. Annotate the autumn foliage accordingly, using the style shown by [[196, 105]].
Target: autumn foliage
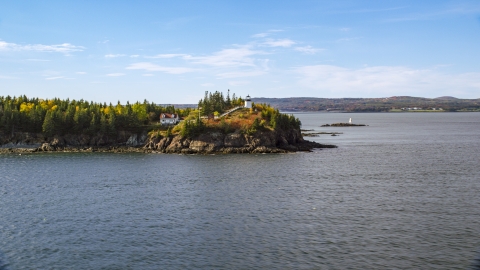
[[58, 117], [248, 121]]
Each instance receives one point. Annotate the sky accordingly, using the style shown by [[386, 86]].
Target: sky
[[171, 52]]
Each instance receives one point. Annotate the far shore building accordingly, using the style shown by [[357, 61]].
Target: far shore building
[[169, 119], [248, 102]]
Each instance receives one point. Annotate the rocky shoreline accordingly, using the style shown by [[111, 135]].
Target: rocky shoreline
[[206, 143]]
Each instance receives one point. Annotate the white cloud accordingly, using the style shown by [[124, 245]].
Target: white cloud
[[229, 60], [134, 55], [345, 29], [207, 84], [239, 56], [386, 81], [50, 73], [81, 72], [147, 75], [260, 35], [54, 78], [235, 57], [115, 74], [238, 74], [7, 77], [308, 49], [238, 83], [279, 43], [169, 55], [61, 48], [266, 34], [152, 67], [114, 55]]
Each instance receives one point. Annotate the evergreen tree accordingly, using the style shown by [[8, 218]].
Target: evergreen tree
[[112, 125], [103, 124], [94, 124], [69, 115], [80, 120], [228, 101], [48, 126]]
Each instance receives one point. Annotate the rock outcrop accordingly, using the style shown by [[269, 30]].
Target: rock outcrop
[[217, 142], [267, 141]]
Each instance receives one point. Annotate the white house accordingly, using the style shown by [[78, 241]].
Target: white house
[[169, 118], [248, 102]]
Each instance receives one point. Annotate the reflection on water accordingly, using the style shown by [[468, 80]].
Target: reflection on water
[[401, 193]]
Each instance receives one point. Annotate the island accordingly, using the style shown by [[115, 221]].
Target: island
[[343, 125], [219, 124]]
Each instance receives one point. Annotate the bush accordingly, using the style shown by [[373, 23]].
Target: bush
[[191, 128]]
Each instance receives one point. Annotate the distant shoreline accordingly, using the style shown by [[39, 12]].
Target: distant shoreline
[[418, 111], [386, 104]]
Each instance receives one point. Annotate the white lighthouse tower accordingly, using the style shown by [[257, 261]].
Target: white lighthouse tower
[[248, 102]]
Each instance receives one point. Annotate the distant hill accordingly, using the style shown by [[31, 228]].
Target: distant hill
[[370, 104], [447, 98], [180, 106]]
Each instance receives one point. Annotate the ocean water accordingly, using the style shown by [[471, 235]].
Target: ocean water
[[401, 193]]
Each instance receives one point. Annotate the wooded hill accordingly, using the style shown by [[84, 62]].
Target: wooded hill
[[58, 117], [260, 117]]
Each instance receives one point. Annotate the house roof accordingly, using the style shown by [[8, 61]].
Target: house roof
[[168, 115]]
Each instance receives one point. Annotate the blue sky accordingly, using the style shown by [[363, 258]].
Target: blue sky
[[173, 51]]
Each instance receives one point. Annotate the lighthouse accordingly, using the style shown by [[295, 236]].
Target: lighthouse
[[248, 102]]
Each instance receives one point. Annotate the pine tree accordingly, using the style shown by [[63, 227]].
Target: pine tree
[[112, 124], [94, 124], [228, 101], [103, 124], [48, 126]]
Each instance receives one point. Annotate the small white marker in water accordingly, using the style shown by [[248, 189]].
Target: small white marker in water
[[350, 121]]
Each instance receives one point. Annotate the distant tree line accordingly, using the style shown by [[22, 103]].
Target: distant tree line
[[59, 117], [370, 104]]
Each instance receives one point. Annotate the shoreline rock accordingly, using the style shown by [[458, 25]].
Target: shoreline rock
[[205, 143]]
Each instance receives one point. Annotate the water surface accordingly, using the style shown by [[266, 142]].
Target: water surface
[[401, 193]]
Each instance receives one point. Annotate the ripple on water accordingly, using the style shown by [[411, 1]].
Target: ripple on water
[[387, 198]]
